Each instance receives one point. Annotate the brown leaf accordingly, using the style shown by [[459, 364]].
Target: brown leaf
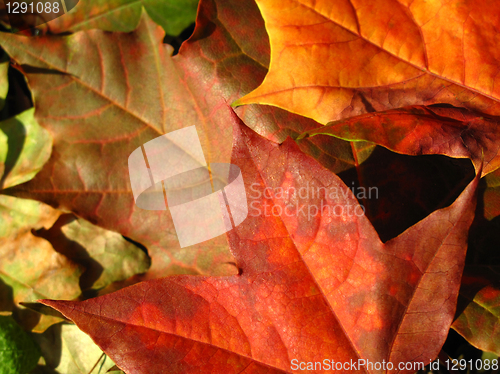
[[419, 130], [98, 117], [491, 196]]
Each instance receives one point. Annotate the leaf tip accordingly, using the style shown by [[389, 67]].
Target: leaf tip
[[64, 309], [47, 302], [302, 136], [236, 103], [249, 98], [58, 305]]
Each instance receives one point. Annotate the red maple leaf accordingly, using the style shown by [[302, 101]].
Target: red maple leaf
[[316, 284]]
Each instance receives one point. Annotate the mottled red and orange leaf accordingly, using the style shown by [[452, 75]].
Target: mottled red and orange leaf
[[335, 59], [316, 282]]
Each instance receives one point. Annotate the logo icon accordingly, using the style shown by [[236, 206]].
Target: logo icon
[[205, 200], [28, 14]]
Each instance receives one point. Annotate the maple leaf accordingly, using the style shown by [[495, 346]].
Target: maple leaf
[[419, 130], [68, 350], [50, 273], [25, 148], [124, 15], [106, 255], [479, 302], [71, 94], [491, 198], [333, 60], [226, 58], [187, 79], [98, 117], [4, 83], [312, 286]]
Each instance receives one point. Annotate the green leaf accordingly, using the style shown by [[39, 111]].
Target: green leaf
[[479, 308], [124, 15], [18, 352], [19, 216], [29, 266], [24, 148], [4, 80], [106, 255], [70, 351]]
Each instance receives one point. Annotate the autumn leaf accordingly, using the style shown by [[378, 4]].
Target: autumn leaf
[[491, 195], [24, 148], [116, 15], [118, 258], [479, 303], [106, 256], [244, 71], [70, 351], [183, 81], [185, 84], [477, 316], [4, 83], [231, 37], [334, 60], [75, 178], [312, 286], [49, 272], [408, 192], [124, 15], [246, 68], [226, 58], [419, 130]]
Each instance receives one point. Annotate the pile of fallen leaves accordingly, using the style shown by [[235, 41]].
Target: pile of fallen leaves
[[367, 133]]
